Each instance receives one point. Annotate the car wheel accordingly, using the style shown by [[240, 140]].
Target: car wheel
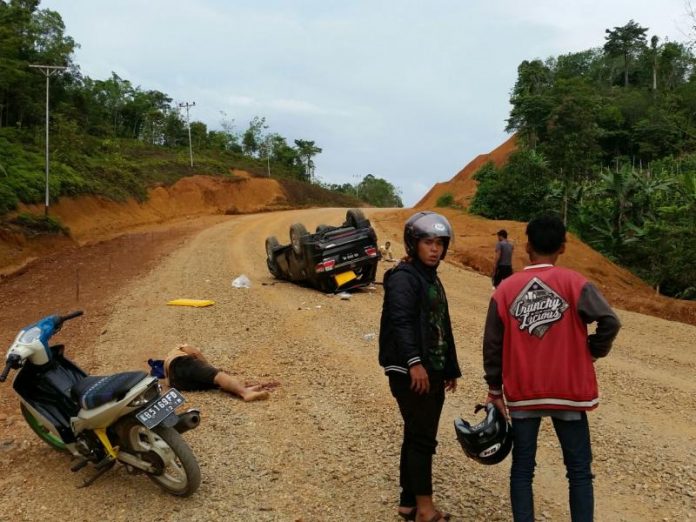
[[271, 244], [297, 232], [356, 219]]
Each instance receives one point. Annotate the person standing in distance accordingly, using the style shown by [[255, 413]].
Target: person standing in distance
[[502, 265], [538, 356], [417, 352]]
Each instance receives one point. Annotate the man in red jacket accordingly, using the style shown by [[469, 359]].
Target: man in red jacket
[[539, 358]]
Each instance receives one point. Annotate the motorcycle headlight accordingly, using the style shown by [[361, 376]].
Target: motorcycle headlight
[[31, 335]]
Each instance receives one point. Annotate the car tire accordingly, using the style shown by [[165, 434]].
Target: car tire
[[272, 244], [297, 232], [356, 219]]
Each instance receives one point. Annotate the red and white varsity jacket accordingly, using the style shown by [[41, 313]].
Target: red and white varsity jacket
[[536, 349]]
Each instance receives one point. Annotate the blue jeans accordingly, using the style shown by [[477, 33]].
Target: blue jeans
[[574, 437]]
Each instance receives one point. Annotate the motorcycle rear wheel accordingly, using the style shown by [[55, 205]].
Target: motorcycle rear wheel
[[49, 438], [164, 447]]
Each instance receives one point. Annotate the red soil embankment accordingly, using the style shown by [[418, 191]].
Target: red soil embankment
[[475, 240], [462, 186], [474, 243], [94, 218]]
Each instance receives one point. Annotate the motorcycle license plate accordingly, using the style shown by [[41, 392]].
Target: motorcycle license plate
[[160, 409]]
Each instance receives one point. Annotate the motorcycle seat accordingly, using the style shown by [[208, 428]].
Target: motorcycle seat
[[94, 391]]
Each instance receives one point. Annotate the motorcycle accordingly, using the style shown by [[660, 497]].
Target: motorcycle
[[101, 420]]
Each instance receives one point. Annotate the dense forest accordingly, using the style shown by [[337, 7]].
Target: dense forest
[[608, 142], [116, 139]]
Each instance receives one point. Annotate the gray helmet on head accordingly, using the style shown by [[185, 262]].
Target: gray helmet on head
[[426, 224]]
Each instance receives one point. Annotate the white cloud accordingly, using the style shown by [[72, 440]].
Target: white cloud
[[244, 101]]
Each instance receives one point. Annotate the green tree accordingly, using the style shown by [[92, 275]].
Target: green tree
[[252, 139], [28, 35], [653, 56], [174, 133], [199, 135], [531, 105], [344, 188], [519, 190], [378, 192], [282, 153], [572, 146], [231, 137], [626, 42], [306, 150]]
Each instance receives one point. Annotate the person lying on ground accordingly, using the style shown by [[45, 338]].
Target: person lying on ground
[[187, 369]]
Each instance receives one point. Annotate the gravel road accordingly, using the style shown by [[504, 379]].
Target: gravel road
[[325, 446]]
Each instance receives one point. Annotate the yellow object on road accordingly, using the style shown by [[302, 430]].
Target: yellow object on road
[[344, 277], [198, 303]]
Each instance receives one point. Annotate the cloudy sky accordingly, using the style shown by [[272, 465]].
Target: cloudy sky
[[406, 90]]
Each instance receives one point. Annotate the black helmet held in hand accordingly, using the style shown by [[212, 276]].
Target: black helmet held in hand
[[489, 441], [426, 224]]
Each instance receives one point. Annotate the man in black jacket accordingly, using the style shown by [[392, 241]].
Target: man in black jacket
[[417, 352]]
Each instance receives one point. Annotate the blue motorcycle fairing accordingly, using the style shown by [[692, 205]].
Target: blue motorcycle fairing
[[47, 325]]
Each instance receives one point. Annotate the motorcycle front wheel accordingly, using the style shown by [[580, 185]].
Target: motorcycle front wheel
[[164, 448]]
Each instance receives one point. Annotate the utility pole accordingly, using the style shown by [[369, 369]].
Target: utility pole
[[356, 177], [188, 124], [48, 70]]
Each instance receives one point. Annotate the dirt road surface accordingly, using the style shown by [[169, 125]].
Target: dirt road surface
[[325, 446]]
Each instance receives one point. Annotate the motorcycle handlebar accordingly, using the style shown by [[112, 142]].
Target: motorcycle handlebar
[[71, 315], [9, 364], [8, 367]]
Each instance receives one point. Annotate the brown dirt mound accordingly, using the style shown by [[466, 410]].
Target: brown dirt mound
[[94, 218], [462, 186], [474, 243]]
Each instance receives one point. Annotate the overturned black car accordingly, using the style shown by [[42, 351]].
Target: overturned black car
[[332, 259]]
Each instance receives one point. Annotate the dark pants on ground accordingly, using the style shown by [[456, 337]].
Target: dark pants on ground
[[421, 414], [574, 437], [190, 374], [501, 272]]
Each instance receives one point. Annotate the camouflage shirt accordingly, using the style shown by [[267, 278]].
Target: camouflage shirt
[[437, 312]]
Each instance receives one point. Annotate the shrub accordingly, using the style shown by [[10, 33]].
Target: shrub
[[446, 200], [40, 224], [8, 199]]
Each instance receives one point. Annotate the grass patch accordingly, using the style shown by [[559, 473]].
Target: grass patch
[[446, 200], [35, 225], [119, 169]]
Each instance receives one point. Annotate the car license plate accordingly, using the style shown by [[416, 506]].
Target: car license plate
[[160, 409], [349, 256], [343, 278]]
